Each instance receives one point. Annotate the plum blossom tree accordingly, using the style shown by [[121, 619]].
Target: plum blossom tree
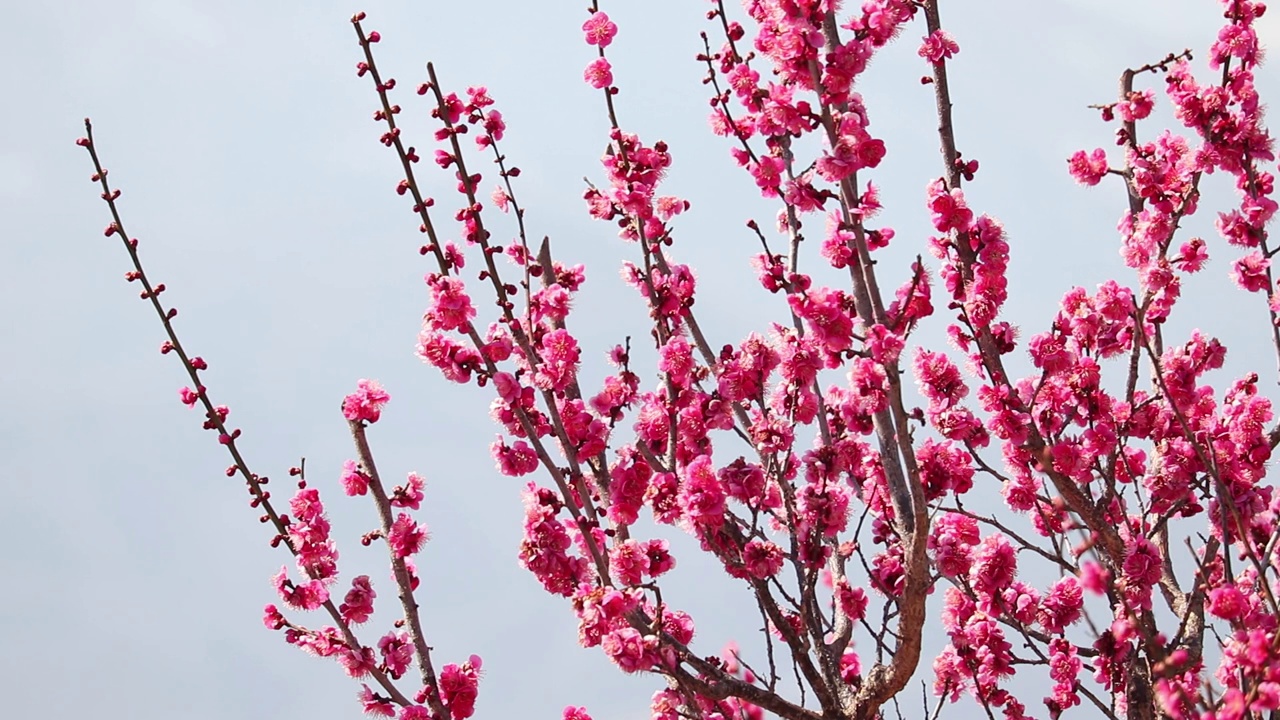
[[800, 457]]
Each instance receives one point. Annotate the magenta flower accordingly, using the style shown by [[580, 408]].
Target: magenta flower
[[375, 705], [357, 606], [701, 495], [1088, 168], [1250, 271], [365, 404], [397, 653], [406, 537], [450, 305], [409, 495], [189, 397], [272, 618], [626, 647], [599, 74], [599, 30], [459, 687], [560, 357], [762, 559], [354, 482], [938, 47], [307, 596]]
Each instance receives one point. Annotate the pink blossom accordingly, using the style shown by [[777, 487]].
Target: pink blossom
[[1088, 169], [852, 601], [1191, 256], [763, 559], [354, 482], [829, 314], [1095, 578], [454, 360], [450, 306], [628, 562], [938, 46], [1064, 667], [478, 97], [397, 653], [516, 460], [701, 494], [545, 548], [1062, 605], [995, 565], [626, 648], [1138, 106], [1250, 271], [272, 618], [409, 495], [1227, 602], [500, 198], [948, 208], [659, 555], [560, 357], [951, 542], [406, 536], [459, 687], [599, 74], [676, 360], [358, 604], [599, 30], [365, 404], [1049, 353], [629, 479], [494, 128], [374, 704], [307, 596]]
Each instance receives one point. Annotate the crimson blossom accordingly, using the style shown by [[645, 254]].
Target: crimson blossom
[[1132, 569]]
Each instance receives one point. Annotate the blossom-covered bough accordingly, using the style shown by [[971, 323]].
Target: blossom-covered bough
[[796, 457]]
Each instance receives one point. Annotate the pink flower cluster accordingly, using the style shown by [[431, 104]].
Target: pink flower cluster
[[795, 457]]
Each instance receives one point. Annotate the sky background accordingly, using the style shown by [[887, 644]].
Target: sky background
[[135, 573]]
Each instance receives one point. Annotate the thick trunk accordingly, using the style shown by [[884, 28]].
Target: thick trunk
[[1142, 703]]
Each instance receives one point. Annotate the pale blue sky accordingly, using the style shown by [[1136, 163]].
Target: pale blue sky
[[251, 171]]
